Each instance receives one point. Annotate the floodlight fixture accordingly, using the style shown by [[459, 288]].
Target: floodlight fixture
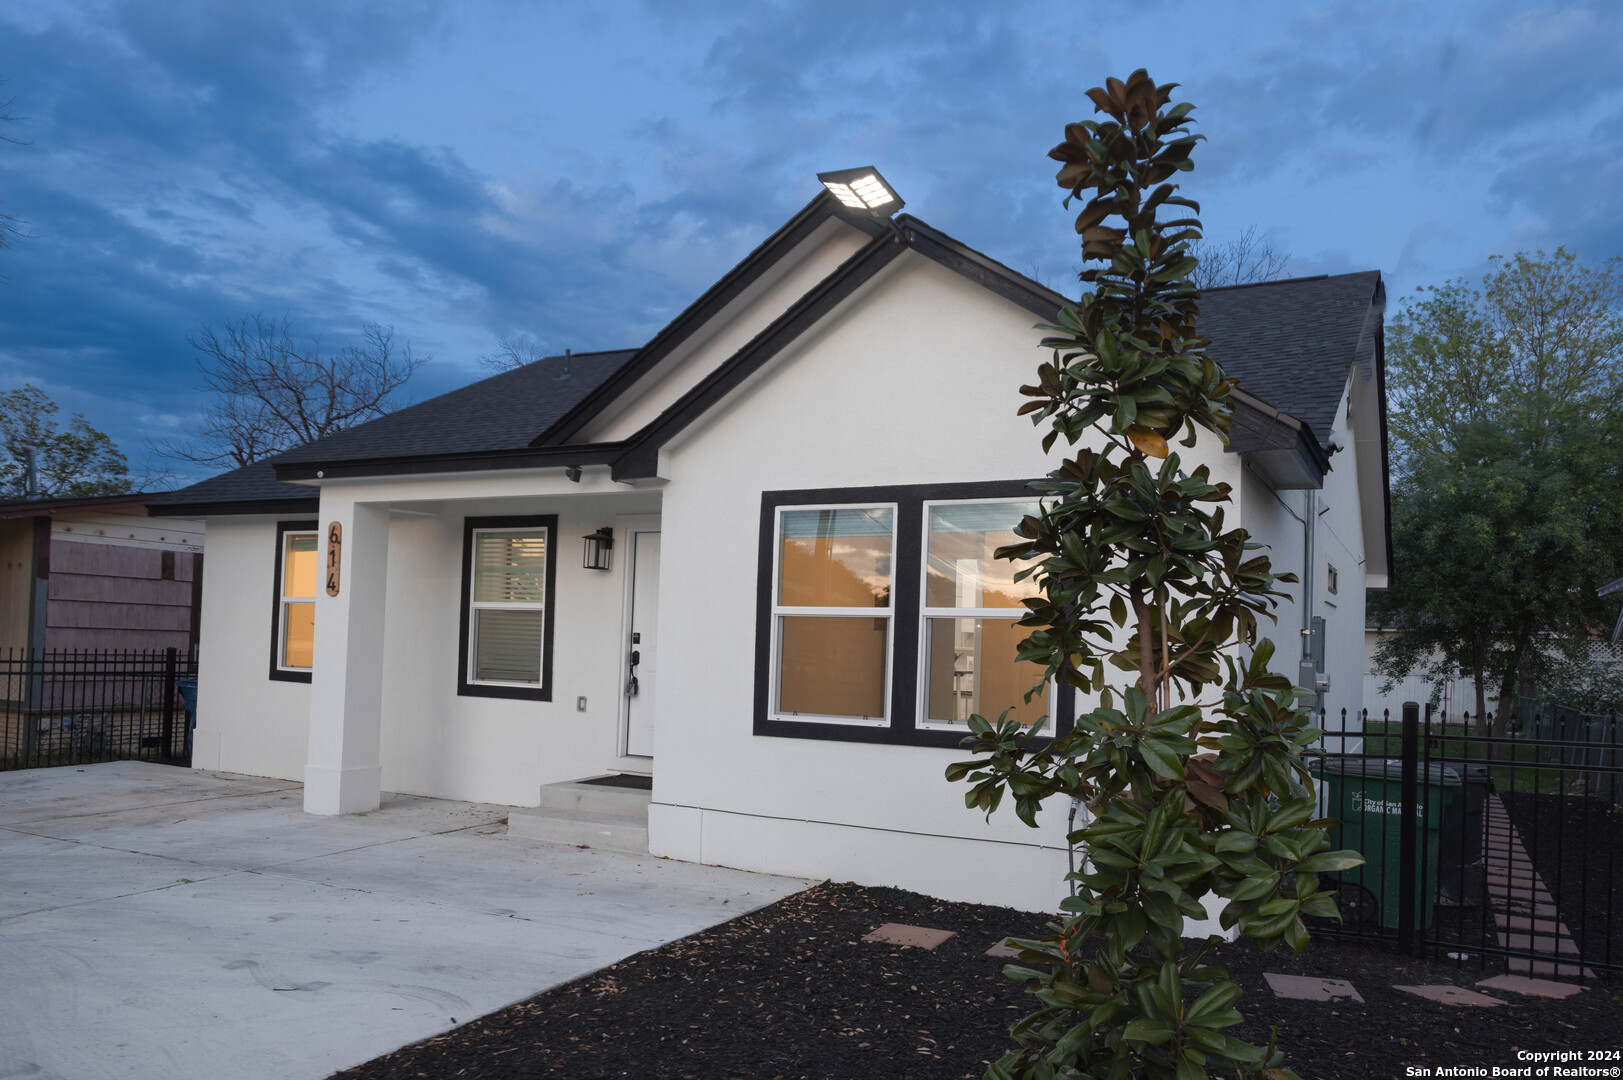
[[863, 189]]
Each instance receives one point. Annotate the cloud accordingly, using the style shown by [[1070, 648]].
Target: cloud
[[1573, 186], [580, 174]]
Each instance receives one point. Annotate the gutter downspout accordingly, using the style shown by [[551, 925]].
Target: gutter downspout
[[1307, 670]]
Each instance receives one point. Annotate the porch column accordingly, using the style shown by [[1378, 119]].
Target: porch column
[[343, 772]]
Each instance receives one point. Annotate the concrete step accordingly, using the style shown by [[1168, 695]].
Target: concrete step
[[596, 799], [604, 832]]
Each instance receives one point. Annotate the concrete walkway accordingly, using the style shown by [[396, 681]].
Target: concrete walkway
[[160, 922]]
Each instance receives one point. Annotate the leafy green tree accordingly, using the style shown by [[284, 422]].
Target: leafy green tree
[[1499, 545], [1504, 415], [1186, 797], [1540, 328], [75, 463]]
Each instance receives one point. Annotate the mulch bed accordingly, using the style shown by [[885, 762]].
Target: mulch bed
[[1576, 844], [791, 991]]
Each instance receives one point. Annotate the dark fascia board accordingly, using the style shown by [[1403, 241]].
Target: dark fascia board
[[523, 457], [982, 269], [749, 270], [1378, 312], [279, 507], [641, 459]]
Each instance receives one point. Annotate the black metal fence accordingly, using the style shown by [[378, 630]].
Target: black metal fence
[[1504, 854], [65, 707], [1591, 741]]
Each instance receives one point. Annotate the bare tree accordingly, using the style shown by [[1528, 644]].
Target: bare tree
[[1243, 260], [272, 393], [10, 227], [513, 352]]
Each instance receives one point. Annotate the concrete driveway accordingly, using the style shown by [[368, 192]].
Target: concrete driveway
[[156, 922]]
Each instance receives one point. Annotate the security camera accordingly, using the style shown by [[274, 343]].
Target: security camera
[[1335, 443]]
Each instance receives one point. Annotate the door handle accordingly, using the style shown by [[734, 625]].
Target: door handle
[[631, 686], [636, 657]]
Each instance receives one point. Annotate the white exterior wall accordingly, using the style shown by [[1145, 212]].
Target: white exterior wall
[[1275, 519], [432, 741], [869, 399], [500, 750], [246, 721]]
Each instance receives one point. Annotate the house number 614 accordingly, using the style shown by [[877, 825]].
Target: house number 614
[[335, 547]]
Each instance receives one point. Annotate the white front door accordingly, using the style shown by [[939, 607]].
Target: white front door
[[642, 651]]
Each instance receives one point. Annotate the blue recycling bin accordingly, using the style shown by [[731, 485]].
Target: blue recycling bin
[[188, 700]]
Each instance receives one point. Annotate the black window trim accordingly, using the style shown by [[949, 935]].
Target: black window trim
[[277, 671], [464, 687], [906, 611]]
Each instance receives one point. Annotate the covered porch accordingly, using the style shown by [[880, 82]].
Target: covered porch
[[474, 638]]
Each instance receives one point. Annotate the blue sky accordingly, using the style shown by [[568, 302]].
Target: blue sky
[[578, 172]]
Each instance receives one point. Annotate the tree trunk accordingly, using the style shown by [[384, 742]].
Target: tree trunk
[[1479, 678], [1507, 690]]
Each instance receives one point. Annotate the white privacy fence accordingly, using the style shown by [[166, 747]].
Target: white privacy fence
[[1452, 696]]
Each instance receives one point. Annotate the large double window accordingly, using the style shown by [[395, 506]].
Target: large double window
[[885, 616], [508, 574], [293, 622]]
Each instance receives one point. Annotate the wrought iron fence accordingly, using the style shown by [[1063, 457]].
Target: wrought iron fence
[[72, 707], [1502, 853]]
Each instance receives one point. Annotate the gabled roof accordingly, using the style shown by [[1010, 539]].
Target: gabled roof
[[750, 268], [1291, 343]]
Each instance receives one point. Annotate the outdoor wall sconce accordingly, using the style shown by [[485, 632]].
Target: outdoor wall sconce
[[598, 547], [863, 189]]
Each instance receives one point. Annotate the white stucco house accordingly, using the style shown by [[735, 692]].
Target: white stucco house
[[804, 475]]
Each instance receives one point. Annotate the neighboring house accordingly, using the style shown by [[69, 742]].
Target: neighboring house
[[97, 574], [1452, 697], [804, 476]]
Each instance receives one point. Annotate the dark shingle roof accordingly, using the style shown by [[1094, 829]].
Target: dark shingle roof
[[1292, 343], [503, 412], [254, 483]]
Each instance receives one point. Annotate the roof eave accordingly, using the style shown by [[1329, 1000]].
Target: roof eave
[[1280, 447], [51, 507], [237, 508], [471, 461]]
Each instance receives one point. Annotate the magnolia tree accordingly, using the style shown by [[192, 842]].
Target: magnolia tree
[[1190, 769]]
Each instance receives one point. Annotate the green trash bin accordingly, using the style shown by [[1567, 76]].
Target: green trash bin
[[1367, 795]]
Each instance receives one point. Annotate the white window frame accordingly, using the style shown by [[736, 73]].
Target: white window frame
[[476, 606], [923, 721], [282, 601], [780, 611]]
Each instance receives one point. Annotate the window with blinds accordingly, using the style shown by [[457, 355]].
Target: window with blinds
[[507, 605]]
